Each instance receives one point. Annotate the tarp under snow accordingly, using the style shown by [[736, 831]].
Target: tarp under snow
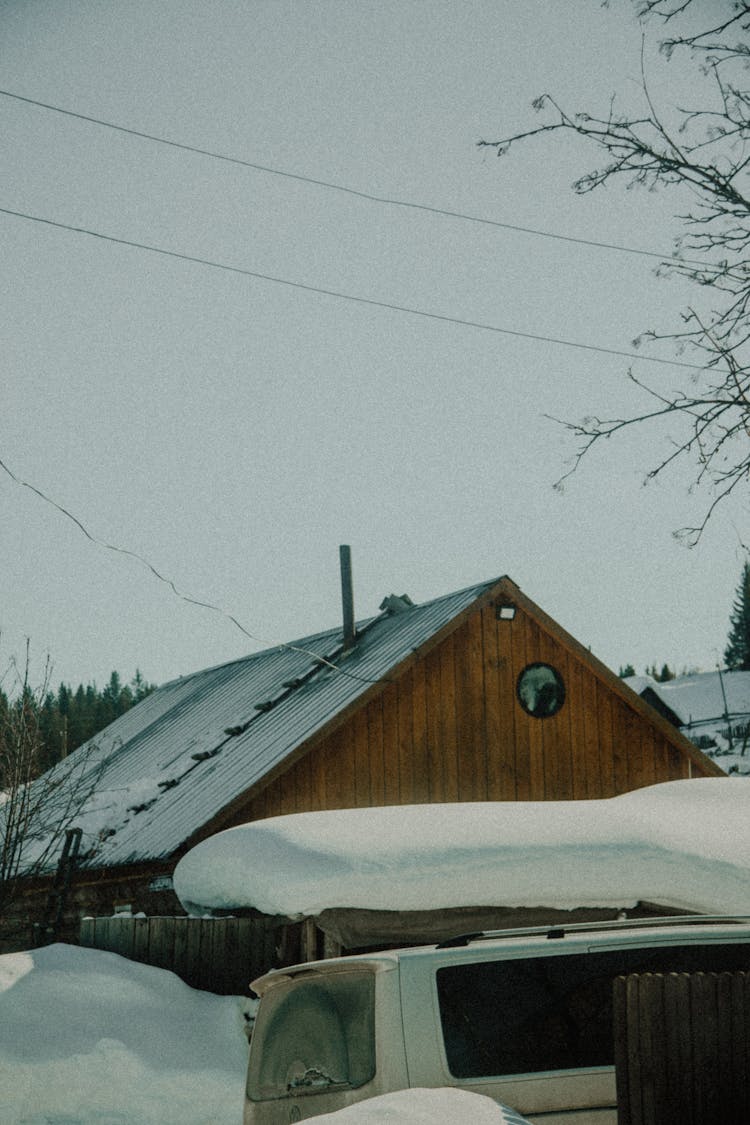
[[684, 845]]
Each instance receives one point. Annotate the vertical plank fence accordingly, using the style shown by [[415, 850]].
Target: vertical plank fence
[[217, 954], [682, 1048]]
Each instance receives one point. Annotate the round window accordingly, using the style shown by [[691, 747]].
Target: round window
[[540, 690]]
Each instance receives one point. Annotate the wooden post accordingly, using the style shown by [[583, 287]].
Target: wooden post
[[309, 940]]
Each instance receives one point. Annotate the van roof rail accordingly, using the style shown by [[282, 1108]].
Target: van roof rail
[[555, 930]]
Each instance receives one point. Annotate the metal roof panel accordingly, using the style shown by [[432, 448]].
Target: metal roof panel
[[175, 760]]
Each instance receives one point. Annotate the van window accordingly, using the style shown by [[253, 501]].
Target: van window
[[314, 1034], [550, 1013]]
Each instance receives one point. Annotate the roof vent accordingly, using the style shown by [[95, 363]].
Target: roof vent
[[396, 603]]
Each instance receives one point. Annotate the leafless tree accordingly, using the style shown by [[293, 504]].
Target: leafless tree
[[36, 808], [702, 155]]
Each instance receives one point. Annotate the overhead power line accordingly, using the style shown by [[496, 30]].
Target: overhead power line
[[338, 295], [369, 196], [316, 656]]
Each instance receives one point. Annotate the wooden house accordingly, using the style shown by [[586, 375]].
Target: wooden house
[[475, 696]]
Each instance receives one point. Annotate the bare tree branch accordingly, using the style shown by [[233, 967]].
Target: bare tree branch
[[708, 154], [36, 807]]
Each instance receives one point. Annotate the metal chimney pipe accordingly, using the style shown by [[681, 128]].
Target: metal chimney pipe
[[347, 596]]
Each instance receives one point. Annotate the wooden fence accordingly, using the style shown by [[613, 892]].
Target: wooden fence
[[682, 1048], [218, 954]]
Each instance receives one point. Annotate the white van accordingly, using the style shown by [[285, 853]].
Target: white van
[[523, 1016]]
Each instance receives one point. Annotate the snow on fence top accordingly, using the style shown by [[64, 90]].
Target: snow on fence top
[[683, 844]]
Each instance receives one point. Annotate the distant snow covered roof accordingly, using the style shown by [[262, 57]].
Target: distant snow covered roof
[[701, 697], [638, 683], [682, 844], [710, 708]]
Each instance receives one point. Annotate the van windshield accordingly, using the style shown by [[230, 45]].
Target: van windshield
[[504, 1017], [314, 1034]]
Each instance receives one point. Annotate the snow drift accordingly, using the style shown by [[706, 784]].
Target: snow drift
[[682, 844], [424, 1107], [88, 1038]]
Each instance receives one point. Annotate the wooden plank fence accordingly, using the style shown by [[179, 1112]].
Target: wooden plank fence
[[682, 1048], [217, 954]]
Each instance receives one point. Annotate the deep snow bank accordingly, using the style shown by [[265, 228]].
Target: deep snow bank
[[683, 844], [424, 1107], [89, 1038]]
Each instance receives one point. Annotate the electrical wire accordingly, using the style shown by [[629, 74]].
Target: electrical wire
[[369, 196], [341, 188], [341, 296], [316, 656]]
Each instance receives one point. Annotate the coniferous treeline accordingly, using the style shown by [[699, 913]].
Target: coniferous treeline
[[69, 717], [661, 675]]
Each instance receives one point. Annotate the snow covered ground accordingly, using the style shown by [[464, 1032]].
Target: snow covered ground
[[423, 1107], [88, 1038]]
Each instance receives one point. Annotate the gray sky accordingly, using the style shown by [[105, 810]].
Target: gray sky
[[234, 431]]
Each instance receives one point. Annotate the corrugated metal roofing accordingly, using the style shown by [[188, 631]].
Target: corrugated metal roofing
[[185, 752]]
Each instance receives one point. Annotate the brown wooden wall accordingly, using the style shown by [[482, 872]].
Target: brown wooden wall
[[23, 924], [451, 729], [218, 954]]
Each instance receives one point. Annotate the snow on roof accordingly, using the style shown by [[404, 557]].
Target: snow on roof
[[699, 698], [682, 844], [639, 683], [167, 766], [712, 710]]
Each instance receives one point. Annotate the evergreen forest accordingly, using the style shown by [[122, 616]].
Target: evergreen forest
[[64, 719]]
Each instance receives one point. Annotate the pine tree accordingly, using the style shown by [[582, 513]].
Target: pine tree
[[108, 704], [139, 687], [737, 652], [66, 719], [661, 675]]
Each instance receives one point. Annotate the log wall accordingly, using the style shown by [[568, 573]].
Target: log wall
[[24, 923]]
